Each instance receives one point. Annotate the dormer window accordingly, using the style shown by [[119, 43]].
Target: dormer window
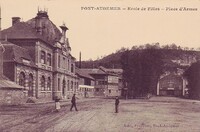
[[26, 61], [43, 56]]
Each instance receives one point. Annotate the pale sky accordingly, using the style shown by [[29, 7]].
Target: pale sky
[[100, 32]]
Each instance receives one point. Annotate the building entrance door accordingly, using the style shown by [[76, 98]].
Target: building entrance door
[[170, 92]]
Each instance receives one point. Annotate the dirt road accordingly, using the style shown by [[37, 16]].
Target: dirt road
[[97, 115]]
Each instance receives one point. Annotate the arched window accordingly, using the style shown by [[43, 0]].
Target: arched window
[[42, 83], [30, 85], [49, 84], [49, 59], [42, 57], [22, 79]]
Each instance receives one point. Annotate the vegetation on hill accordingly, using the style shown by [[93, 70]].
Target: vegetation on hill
[[143, 65], [113, 60]]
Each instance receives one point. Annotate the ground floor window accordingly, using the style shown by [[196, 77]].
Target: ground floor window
[[22, 79], [58, 84], [49, 84], [42, 83], [30, 85], [64, 86], [68, 88], [72, 85]]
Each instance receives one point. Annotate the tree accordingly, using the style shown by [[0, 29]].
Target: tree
[[173, 46], [142, 68], [123, 49], [193, 76]]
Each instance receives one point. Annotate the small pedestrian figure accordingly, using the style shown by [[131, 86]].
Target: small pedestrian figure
[[116, 104], [73, 101], [57, 104]]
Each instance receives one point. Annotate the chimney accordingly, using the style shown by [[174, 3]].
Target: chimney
[[15, 20]]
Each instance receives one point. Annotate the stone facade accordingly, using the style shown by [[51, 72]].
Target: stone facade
[[38, 58], [10, 96]]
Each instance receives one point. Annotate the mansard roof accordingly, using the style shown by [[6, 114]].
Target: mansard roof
[[28, 30], [38, 28], [14, 53], [50, 32]]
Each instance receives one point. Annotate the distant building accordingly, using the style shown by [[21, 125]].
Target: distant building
[[172, 82], [37, 57], [107, 81], [86, 83]]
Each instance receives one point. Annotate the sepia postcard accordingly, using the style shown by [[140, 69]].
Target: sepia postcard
[[99, 66]]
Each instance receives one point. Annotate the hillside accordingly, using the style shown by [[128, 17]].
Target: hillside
[[110, 61], [168, 54]]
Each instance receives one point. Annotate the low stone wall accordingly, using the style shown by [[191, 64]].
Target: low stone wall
[[12, 97]]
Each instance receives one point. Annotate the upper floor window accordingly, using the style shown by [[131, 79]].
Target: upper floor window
[[42, 57], [72, 68], [63, 65], [49, 59], [68, 64]]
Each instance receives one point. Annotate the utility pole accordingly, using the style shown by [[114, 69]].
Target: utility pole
[[80, 60]]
